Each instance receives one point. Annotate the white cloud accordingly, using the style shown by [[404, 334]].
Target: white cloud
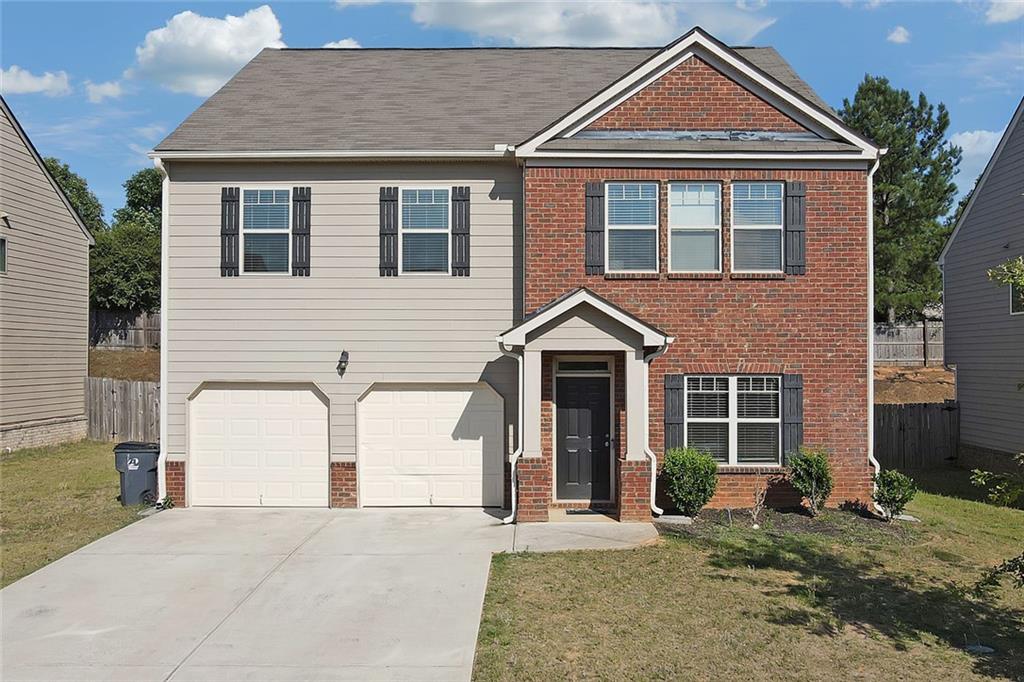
[[589, 22], [866, 4], [196, 54], [97, 92], [150, 132], [1002, 11], [977, 146], [18, 81], [344, 43], [1001, 68], [899, 35]]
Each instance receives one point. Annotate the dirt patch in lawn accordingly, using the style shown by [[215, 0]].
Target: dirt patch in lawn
[[132, 365], [913, 385]]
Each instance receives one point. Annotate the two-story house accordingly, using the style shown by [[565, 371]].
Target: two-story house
[[497, 277]]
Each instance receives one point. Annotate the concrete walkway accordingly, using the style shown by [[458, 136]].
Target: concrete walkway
[[273, 594]]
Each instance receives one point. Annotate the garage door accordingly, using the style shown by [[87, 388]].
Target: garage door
[[258, 447], [437, 445]]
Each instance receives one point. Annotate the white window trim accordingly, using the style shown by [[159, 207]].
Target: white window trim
[[656, 227], [1019, 312], [781, 227], [433, 230], [734, 420], [242, 231], [612, 425], [718, 227]]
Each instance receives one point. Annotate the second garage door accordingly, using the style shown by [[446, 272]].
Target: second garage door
[[437, 445]]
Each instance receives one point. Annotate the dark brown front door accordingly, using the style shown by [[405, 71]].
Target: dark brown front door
[[583, 432]]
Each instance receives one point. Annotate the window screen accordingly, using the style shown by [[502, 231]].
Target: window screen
[[734, 419], [757, 226], [694, 218], [265, 230], [425, 230], [632, 225]]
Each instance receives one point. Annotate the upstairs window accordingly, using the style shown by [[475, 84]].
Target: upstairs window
[[695, 227], [1016, 300], [632, 226], [425, 230], [266, 239], [757, 226], [735, 419]]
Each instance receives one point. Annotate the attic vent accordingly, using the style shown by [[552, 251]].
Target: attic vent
[[741, 135]]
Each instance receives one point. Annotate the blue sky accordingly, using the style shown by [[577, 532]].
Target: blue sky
[[99, 84]]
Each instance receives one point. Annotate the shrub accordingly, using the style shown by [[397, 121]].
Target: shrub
[[1003, 489], [811, 474], [893, 491], [690, 478]]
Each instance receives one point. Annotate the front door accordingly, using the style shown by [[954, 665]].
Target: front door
[[583, 433]]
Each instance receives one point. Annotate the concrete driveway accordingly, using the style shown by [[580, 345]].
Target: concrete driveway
[[272, 594]]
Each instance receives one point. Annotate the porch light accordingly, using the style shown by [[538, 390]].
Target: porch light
[[342, 362]]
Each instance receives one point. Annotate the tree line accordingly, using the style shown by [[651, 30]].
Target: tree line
[[914, 193]]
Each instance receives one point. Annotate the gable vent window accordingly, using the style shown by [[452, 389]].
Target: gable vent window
[[695, 227], [426, 230], [266, 239], [734, 419], [632, 226], [757, 227]]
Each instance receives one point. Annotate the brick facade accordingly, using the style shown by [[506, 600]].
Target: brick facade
[[815, 324], [343, 485], [634, 478], [175, 483], [694, 96], [49, 432]]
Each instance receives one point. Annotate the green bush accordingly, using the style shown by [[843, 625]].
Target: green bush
[[690, 478], [811, 474], [893, 491]]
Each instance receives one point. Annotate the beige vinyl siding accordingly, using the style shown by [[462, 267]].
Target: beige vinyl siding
[[412, 328], [44, 295], [982, 339], [584, 328]]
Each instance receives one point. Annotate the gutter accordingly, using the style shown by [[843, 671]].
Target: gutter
[[499, 151], [519, 436], [165, 202], [648, 359], [871, 326]]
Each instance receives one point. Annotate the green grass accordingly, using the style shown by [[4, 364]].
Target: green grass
[[54, 500], [851, 599]]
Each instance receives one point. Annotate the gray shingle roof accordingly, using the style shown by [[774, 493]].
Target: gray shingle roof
[[413, 99]]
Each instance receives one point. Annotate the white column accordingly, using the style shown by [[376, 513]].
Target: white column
[[636, 405], [531, 403]]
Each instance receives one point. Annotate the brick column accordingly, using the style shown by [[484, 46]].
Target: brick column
[[343, 485], [634, 489], [534, 489], [174, 482]]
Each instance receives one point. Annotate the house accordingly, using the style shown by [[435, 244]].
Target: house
[[44, 299], [496, 276], [984, 322]]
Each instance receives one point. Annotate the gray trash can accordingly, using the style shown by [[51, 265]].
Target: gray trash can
[[136, 463]]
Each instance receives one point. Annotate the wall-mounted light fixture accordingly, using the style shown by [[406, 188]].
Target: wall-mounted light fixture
[[342, 362]]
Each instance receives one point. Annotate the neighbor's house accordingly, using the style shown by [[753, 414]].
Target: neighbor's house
[[44, 299], [395, 277], [984, 332]]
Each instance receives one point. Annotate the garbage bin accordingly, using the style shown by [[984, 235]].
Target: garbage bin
[[136, 463]]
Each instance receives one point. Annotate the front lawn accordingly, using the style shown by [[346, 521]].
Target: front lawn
[[54, 500], [840, 598]]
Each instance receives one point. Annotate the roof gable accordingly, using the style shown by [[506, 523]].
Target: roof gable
[[44, 170]]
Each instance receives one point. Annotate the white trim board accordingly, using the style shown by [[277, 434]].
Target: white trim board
[[700, 44]]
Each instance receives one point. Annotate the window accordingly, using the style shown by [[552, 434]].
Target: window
[[266, 238], [632, 226], [1016, 300], [695, 227], [3, 255], [426, 223], [757, 227], [735, 419]]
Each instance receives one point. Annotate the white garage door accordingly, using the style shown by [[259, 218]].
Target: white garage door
[[438, 445], [258, 447]]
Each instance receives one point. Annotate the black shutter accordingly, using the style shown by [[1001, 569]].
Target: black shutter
[[674, 417], [300, 231], [229, 231], [460, 231], [796, 228], [594, 226], [792, 414], [388, 231]]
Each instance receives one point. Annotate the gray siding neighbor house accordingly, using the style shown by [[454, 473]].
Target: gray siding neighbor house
[[984, 332], [44, 300]]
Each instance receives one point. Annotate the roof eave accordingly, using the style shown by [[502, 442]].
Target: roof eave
[[330, 154]]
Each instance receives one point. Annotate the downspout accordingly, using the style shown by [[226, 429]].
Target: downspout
[[519, 436], [164, 282], [655, 509], [871, 322]]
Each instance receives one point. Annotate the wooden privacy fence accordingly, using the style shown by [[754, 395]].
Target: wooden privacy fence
[[917, 435], [116, 329], [122, 410], [904, 344]]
